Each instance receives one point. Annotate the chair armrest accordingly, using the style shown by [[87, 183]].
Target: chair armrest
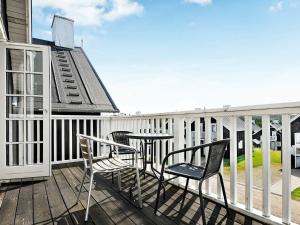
[[108, 142]]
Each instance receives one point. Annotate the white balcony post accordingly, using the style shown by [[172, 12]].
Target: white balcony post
[[178, 140], [249, 163], [266, 165], [63, 140], [55, 140], [163, 143], [207, 140], [170, 142], [233, 160], [286, 169], [157, 144], [188, 138], [197, 141], [220, 137], [70, 140]]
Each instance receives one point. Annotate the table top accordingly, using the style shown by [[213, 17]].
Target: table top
[[150, 136]]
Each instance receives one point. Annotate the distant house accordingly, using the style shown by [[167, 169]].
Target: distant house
[[275, 136]]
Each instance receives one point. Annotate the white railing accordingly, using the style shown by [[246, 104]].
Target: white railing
[[188, 128]]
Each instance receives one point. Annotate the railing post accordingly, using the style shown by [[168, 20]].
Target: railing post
[[220, 137], [249, 163], [207, 140], [266, 165], [178, 139], [70, 140], [286, 169], [233, 160], [157, 144]]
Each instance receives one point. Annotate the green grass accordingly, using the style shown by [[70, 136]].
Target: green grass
[[296, 194], [257, 159]]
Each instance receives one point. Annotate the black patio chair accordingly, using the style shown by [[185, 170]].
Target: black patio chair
[[190, 171], [121, 138]]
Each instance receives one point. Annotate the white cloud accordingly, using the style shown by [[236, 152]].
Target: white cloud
[[276, 7], [89, 12], [200, 2]]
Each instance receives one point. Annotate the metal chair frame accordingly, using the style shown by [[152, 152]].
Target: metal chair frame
[[105, 164], [205, 175]]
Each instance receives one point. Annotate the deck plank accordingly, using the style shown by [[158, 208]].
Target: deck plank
[[97, 213], [9, 204], [41, 208], [24, 213], [52, 201], [76, 211], [58, 209], [104, 194]]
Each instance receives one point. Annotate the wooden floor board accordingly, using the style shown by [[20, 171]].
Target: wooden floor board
[[53, 201], [24, 213], [9, 204], [41, 208]]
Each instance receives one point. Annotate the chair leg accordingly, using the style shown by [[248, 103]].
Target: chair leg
[[112, 178], [85, 171], [89, 197], [119, 181], [185, 189], [224, 192], [158, 193], [202, 203], [138, 182]]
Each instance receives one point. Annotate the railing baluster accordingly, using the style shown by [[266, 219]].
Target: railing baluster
[[266, 165], [286, 169], [55, 140], [249, 163], [171, 141], [163, 143], [63, 140], [157, 144], [233, 160], [70, 140], [207, 140], [77, 139], [220, 137], [98, 136], [178, 141], [38, 132]]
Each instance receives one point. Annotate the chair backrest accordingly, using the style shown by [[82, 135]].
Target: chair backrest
[[120, 137], [215, 156], [85, 147]]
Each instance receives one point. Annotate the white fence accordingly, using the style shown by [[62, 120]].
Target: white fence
[[186, 128]]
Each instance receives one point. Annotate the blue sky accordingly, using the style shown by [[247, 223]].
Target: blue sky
[[167, 55]]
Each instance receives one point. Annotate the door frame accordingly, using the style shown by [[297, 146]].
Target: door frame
[[35, 170]]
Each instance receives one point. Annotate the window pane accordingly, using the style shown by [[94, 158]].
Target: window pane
[[34, 61], [15, 155], [34, 105], [14, 83], [14, 107], [15, 59], [14, 130], [34, 84]]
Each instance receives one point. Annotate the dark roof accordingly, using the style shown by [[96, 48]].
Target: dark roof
[[76, 86]]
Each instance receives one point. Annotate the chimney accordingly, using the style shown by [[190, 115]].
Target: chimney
[[63, 32]]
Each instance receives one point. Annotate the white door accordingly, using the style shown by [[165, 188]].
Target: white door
[[24, 111]]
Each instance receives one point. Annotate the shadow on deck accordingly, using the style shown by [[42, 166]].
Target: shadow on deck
[[52, 201]]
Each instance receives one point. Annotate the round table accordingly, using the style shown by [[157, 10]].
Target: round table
[[149, 139]]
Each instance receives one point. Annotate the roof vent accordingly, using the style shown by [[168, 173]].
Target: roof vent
[[63, 32]]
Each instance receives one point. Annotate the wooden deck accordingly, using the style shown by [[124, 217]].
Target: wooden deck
[[52, 201]]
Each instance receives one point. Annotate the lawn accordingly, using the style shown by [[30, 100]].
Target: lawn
[[296, 194], [257, 159]]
